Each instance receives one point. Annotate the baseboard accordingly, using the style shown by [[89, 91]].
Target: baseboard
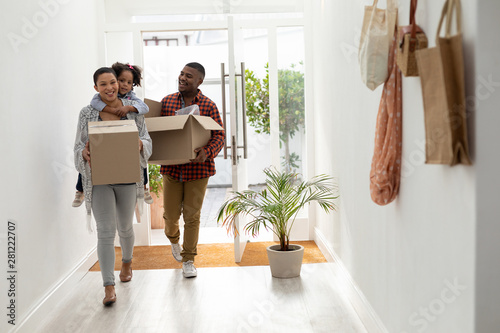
[[358, 300], [51, 299], [321, 242]]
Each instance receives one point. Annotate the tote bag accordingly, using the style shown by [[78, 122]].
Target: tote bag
[[376, 38], [441, 71], [385, 171]]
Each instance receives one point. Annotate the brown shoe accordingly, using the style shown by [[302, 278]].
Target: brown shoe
[[126, 272], [109, 295], [79, 197]]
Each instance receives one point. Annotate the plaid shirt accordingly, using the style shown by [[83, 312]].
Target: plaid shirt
[[192, 171]]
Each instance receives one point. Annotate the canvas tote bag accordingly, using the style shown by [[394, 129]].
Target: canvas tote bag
[[376, 37], [443, 89], [385, 171]]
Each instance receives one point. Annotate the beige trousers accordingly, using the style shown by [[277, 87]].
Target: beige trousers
[[186, 198]]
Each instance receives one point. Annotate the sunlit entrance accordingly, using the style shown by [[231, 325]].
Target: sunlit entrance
[[254, 73]]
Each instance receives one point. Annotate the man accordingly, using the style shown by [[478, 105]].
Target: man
[[184, 185]]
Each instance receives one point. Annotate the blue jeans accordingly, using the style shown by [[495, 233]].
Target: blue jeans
[[113, 207]]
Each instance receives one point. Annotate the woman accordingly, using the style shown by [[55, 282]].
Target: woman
[[113, 205]]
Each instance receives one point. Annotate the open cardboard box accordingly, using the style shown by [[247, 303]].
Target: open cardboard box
[[114, 152], [154, 108], [176, 137]]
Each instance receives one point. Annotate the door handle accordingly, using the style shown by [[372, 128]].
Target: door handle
[[234, 145], [223, 85], [234, 151]]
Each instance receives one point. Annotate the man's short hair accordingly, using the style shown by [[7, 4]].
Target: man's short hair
[[198, 67]]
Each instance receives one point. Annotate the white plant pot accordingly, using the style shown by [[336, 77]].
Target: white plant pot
[[285, 264]]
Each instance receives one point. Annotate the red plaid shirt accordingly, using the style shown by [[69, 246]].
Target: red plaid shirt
[[191, 171]]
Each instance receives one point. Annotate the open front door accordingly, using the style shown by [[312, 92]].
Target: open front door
[[236, 138]]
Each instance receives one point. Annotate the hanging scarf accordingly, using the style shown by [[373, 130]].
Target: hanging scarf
[[385, 171]]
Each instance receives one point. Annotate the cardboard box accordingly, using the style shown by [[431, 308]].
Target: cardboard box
[[114, 152], [154, 108], [176, 137]]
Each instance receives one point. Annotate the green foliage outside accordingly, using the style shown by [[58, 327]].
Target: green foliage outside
[[291, 107], [155, 179]]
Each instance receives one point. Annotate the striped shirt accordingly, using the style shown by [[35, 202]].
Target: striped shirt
[[192, 171]]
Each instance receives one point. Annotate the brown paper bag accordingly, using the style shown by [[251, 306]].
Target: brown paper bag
[[443, 88]]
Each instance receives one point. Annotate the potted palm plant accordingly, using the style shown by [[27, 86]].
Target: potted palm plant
[[275, 207]]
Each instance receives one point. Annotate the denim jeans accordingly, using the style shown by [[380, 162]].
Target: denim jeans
[[113, 207]]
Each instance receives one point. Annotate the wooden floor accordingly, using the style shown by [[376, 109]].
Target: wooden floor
[[230, 299]]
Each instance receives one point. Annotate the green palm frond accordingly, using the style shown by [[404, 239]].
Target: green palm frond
[[277, 205]]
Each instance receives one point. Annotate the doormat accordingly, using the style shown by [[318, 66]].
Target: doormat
[[210, 255]]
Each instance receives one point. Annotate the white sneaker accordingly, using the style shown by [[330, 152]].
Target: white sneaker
[[188, 269], [176, 251], [79, 197], [147, 197]]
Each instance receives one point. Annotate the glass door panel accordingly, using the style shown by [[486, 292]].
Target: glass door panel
[[292, 112], [291, 97], [256, 60], [246, 54], [165, 54]]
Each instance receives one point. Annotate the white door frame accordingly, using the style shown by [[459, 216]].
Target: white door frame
[[133, 49]]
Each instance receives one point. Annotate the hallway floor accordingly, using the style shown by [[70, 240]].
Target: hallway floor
[[229, 299]]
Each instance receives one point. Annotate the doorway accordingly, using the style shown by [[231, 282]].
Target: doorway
[[231, 47]]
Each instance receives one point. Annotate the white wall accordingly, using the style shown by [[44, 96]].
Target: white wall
[[47, 77], [488, 160], [402, 256]]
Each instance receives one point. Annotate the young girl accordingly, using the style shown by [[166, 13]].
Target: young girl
[[129, 76]]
